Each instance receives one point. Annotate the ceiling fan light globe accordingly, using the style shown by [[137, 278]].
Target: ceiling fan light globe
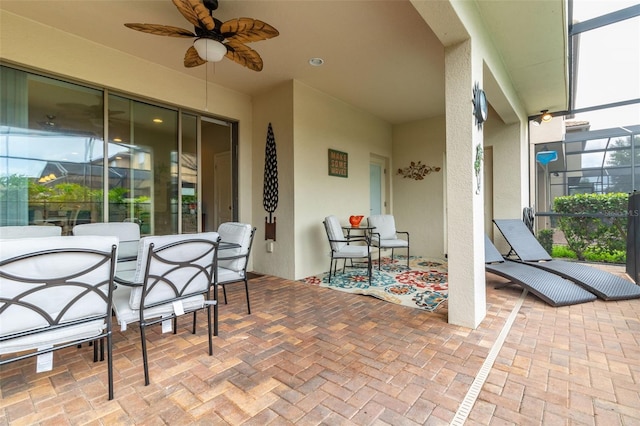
[[210, 50]]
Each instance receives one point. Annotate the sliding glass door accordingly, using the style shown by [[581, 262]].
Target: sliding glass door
[[57, 169]]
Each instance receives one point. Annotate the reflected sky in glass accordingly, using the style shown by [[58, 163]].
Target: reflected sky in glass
[[608, 65]]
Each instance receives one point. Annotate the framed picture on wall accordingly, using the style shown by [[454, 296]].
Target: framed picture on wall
[[338, 163]]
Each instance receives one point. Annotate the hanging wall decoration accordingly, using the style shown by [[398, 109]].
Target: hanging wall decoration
[[417, 171], [270, 190], [477, 167]]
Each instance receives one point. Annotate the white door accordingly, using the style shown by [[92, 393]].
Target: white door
[[223, 206]]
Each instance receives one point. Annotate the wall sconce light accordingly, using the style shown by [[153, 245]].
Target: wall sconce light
[[544, 117], [417, 171]]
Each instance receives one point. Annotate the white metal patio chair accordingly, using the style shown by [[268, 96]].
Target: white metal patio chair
[[173, 277], [385, 236], [232, 263], [128, 234], [56, 293], [346, 247]]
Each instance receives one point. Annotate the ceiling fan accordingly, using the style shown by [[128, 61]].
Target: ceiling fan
[[214, 39], [51, 125], [80, 110]]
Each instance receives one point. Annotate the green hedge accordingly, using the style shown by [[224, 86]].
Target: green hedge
[[605, 235], [545, 237]]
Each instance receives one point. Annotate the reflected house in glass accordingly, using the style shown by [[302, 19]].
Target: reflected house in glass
[[65, 175], [593, 161]]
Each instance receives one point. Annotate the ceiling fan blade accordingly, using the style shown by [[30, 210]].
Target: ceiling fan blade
[[196, 13], [245, 30], [163, 30], [243, 55], [192, 59]]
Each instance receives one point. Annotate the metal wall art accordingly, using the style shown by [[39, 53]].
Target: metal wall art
[[270, 189], [417, 171], [477, 167]]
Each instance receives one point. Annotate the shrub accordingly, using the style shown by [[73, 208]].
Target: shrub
[[563, 252], [591, 255], [545, 237], [617, 256], [603, 226]]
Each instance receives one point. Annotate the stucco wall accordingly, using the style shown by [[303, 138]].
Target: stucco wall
[[307, 194], [275, 107], [322, 122], [418, 205]]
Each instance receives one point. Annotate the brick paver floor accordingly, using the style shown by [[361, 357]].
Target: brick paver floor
[[309, 355]]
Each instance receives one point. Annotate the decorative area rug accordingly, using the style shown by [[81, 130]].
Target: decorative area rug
[[424, 285]]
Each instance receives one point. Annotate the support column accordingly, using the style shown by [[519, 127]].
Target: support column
[[465, 209]]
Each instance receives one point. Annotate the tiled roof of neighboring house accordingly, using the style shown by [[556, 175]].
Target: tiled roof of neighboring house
[[575, 123]]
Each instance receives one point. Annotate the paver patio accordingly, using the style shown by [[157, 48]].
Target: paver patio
[[309, 355]]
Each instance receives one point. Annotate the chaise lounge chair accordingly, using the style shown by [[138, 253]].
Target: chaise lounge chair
[[524, 244], [551, 288]]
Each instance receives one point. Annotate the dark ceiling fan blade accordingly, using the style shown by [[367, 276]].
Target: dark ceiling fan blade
[[243, 55], [192, 59], [245, 30], [163, 30], [196, 13]]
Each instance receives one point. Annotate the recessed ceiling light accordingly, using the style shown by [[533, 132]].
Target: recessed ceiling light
[[117, 140], [316, 62], [157, 120]]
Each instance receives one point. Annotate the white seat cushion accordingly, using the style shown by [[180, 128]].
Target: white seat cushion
[[53, 337], [177, 254], [127, 233], [395, 243], [334, 230], [124, 231], [384, 225], [237, 233], [80, 303], [227, 275], [352, 251], [125, 315], [29, 231]]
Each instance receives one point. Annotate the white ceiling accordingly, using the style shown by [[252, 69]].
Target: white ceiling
[[380, 56]]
